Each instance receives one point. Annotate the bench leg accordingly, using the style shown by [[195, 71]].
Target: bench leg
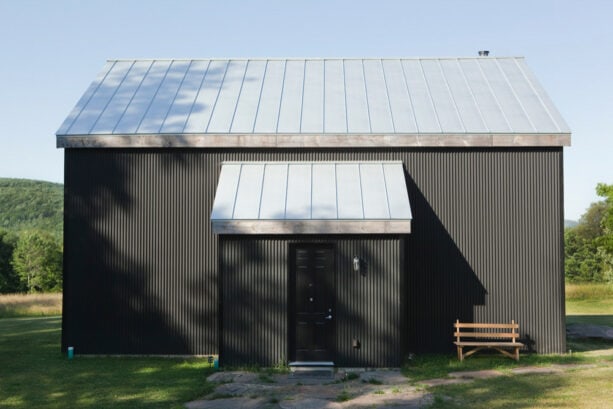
[[460, 354]]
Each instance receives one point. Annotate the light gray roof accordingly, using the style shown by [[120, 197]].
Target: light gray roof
[[480, 101], [311, 197]]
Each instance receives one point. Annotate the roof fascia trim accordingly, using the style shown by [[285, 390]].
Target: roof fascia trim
[[312, 140], [311, 226]]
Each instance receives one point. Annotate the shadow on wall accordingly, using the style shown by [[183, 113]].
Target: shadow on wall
[[441, 285], [127, 287]]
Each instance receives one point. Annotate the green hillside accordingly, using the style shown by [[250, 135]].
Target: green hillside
[[31, 204]]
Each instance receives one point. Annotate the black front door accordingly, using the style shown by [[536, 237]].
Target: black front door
[[313, 270]]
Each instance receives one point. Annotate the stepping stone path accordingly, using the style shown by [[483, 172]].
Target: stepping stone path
[[383, 389]]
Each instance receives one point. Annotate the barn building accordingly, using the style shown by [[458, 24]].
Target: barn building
[[345, 211]]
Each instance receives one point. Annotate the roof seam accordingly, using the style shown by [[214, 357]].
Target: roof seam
[[387, 93], [423, 74], [153, 97], [115, 93], [521, 105], [366, 94], [78, 115], [453, 101], [238, 97], [474, 99], [489, 86], [197, 94], [217, 96], [281, 97], [174, 97], [538, 95], [406, 85], [257, 109], [345, 96]]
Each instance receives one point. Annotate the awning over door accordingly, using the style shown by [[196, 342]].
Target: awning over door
[[311, 198]]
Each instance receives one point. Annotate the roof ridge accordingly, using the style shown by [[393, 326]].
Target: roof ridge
[[313, 58]]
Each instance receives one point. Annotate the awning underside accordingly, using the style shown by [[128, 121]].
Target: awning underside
[[311, 198]]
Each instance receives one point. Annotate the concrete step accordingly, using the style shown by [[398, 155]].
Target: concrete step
[[312, 369]]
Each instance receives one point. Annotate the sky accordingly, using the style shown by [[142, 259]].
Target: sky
[[50, 51]]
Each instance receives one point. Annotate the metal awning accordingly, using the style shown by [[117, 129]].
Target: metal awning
[[311, 198]]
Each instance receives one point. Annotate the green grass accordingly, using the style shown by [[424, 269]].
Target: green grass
[[432, 366], [586, 388], [34, 374], [589, 299], [30, 305]]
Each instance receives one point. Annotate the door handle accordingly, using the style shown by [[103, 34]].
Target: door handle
[[329, 317]]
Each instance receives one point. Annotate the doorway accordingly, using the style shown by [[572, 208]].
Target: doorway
[[312, 302]]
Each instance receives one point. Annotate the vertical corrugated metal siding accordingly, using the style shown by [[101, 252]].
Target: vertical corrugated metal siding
[[255, 276], [141, 260]]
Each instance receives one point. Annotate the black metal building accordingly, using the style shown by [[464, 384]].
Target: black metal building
[[210, 208]]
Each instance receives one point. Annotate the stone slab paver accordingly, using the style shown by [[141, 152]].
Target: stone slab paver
[[309, 403], [232, 403], [233, 376], [388, 377], [245, 389]]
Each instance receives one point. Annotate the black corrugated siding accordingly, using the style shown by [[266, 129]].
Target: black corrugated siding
[[141, 262], [256, 294]]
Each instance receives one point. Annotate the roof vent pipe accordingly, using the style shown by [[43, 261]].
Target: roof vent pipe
[[484, 53]]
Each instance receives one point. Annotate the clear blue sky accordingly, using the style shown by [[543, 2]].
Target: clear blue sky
[[51, 51]]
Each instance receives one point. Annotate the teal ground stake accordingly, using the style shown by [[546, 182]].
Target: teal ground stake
[[70, 352]]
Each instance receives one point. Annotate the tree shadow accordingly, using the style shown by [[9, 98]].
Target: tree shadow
[[441, 285], [128, 288]]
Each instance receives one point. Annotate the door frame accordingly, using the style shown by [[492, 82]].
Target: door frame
[[291, 295]]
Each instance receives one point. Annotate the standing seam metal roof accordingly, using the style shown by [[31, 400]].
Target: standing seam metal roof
[[313, 197], [387, 96]]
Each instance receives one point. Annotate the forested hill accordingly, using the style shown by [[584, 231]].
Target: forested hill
[[31, 204]]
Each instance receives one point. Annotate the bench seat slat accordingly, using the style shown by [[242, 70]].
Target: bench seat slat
[[494, 344], [486, 334], [479, 325], [499, 337]]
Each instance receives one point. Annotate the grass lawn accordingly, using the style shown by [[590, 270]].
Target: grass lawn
[[586, 388], [29, 305], [34, 374], [590, 299], [577, 388]]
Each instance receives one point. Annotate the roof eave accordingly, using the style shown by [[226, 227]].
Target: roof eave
[[326, 140]]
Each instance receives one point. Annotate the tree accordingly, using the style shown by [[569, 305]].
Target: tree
[[606, 191], [37, 260], [9, 280]]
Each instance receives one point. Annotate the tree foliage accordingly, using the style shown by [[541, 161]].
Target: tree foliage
[[9, 280], [31, 204], [37, 260], [589, 245]]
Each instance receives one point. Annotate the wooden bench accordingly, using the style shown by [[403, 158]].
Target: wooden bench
[[487, 336]]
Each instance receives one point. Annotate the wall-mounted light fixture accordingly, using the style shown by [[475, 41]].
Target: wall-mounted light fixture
[[356, 264]]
